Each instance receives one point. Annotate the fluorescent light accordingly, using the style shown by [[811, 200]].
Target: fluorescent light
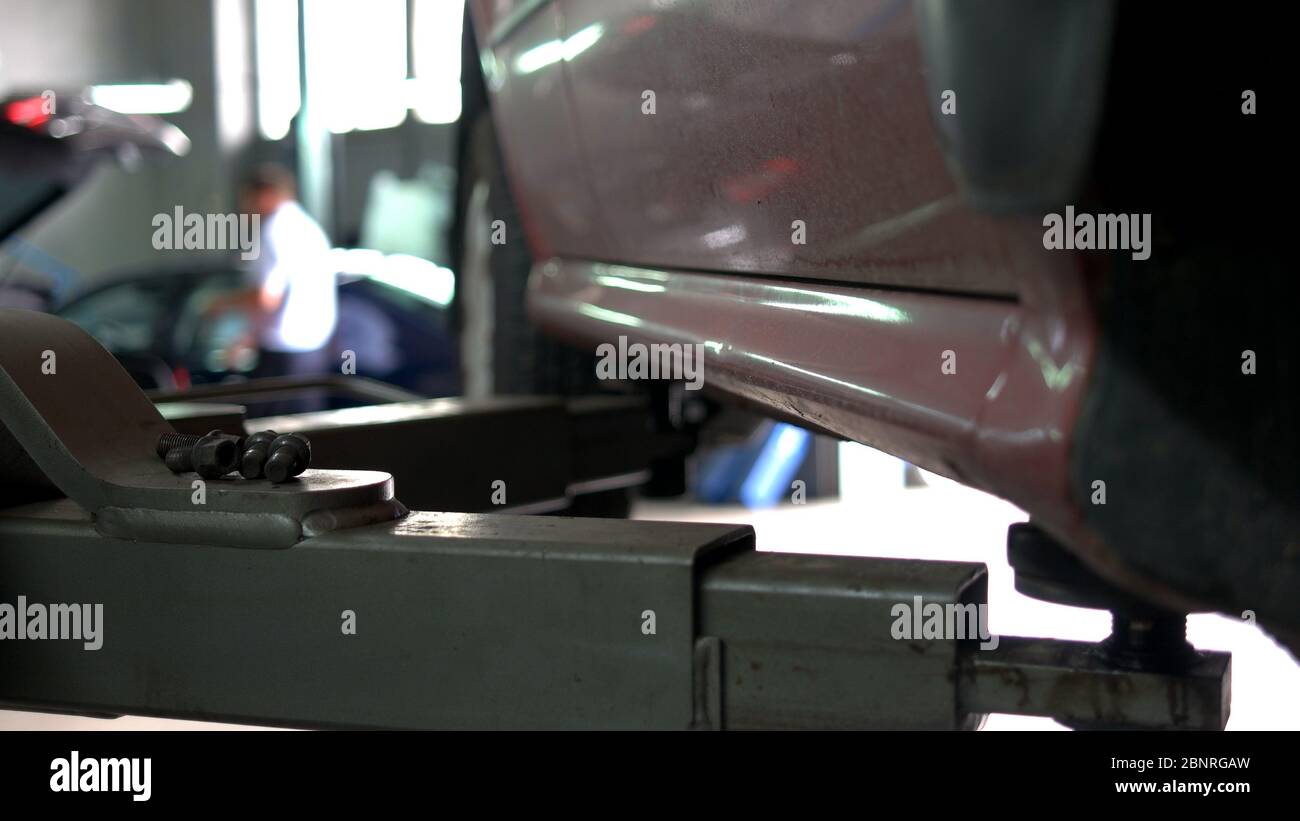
[[279, 96], [144, 98]]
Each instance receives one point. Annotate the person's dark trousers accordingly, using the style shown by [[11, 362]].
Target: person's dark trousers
[[292, 363]]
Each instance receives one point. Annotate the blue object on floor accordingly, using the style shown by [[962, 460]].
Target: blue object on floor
[[779, 460], [757, 473]]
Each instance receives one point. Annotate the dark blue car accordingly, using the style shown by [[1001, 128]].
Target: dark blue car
[[161, 326]]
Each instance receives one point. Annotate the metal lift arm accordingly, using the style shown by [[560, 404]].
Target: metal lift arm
[[238, 609]]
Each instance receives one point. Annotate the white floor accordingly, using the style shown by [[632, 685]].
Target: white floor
[[15, 720], [877, 516]]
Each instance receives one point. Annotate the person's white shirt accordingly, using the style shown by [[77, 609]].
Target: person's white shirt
[[295, 263]]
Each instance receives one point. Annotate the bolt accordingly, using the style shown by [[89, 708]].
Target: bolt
[[178, 460], [169, 441], [1148, 641], [290, 456], [212, 455], [256, 449], [216, 454]]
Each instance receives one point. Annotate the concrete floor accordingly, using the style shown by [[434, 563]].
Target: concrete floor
[[877, 516]]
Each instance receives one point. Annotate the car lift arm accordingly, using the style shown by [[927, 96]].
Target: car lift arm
[[324, 603]]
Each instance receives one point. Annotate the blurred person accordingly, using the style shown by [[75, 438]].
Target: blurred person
[[292, 306], [295, 301]]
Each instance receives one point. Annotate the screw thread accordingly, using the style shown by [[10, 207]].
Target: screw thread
[[170, 441], [178, 460], [1149, 641]]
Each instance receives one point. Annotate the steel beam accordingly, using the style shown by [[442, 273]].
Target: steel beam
[[447, 454], [1072, 682], [371, 617], [496, 621], [807, 643], [462, 621]]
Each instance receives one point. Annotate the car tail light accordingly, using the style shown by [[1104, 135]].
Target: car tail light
[[31, 112]]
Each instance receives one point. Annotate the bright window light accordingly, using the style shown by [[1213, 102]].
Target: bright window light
[[356, 63], [279, 94], [435, 47]]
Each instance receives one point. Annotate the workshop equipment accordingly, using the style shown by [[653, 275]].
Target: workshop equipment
[[325, 603]]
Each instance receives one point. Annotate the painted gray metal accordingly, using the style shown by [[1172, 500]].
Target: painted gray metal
[[471, 621], [83, 424], [807, 642], [468, 620], [462, 621], [447, 454]]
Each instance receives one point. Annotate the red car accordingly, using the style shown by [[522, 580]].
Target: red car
[[1027, 245]]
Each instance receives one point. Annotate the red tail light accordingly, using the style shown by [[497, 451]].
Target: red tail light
[[31, 112]]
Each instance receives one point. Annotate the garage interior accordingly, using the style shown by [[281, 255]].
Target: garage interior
[[475, 407]]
